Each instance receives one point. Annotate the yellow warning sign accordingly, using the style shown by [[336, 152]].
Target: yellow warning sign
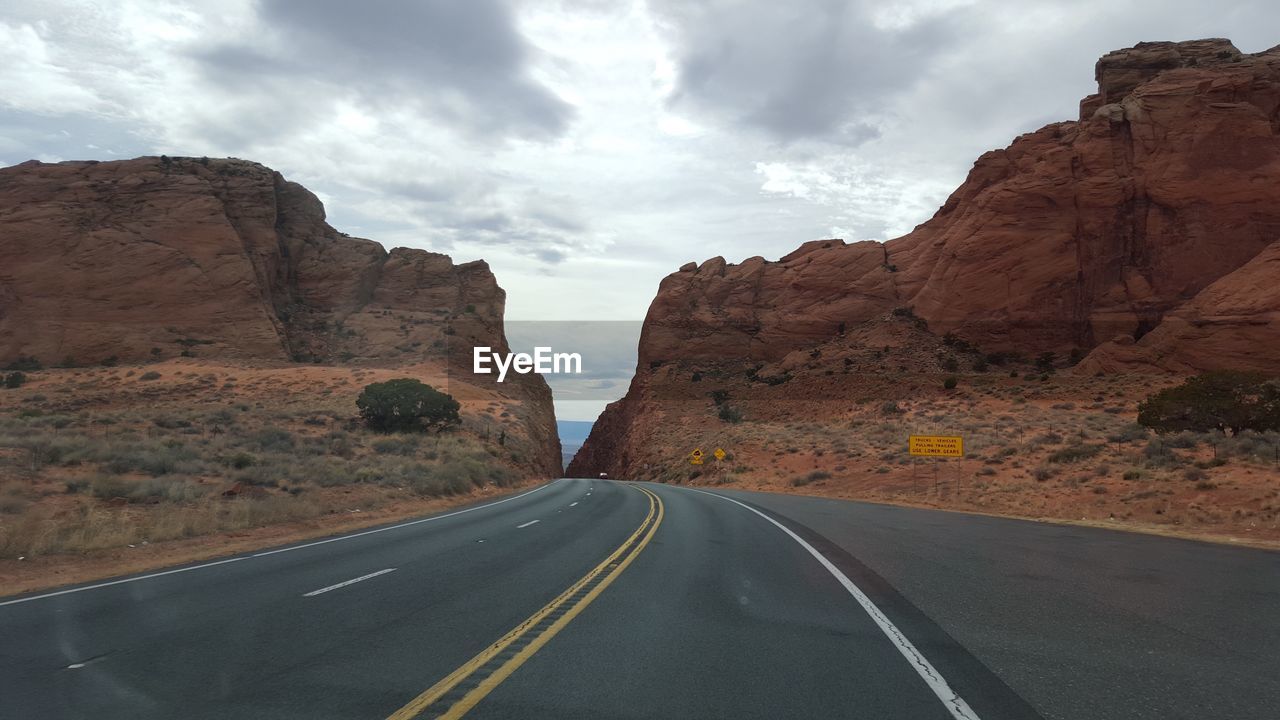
[[695, 457], [719, 453], [937, 445]]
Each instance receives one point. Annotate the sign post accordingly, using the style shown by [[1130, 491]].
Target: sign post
[[720, 454], [935, 446]]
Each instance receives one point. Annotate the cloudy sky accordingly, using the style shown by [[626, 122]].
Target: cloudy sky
[[585, 148]]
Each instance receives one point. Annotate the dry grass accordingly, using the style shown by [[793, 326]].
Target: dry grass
[[100, 458], [1066, 447]]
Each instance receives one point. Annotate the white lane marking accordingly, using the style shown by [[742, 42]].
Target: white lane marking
[[959, 709], [573, 503], [272, 552], [526, 524], [352, 581], [75, 666]]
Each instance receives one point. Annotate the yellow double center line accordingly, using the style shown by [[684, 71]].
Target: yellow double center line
[[457, 693]]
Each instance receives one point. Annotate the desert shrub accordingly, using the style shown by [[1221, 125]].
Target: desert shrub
[[1133, 474], [24, 362], [273, 439], [774, 379], [1045, 361], [406, 404], [1194, 474], [1128, 433], [1042, 473], [980, 364], [730, 414], [1074, 453], [107, 486], [15, 379], [242, 460], [890, 407], [148, 376], [1222, 400], [950, 364], [950, 383], [168, 489], [802, 480], [719, 397]]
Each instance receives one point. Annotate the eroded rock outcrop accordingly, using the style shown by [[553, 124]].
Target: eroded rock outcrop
[[1149, 227], [224, 258]]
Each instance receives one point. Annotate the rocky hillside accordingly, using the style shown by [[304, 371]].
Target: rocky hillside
[[224, 259], [1144, 235]]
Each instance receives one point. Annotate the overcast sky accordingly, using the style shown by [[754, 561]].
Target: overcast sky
[[584, 148]]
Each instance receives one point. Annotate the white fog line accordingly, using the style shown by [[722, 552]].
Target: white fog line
[[118, 582], [271, 552], [352, 581], [959, 709], [575, 502], [526, 524], [397, 527]]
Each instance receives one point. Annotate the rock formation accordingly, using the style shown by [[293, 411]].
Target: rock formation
[[1147, 231], [224, 258]]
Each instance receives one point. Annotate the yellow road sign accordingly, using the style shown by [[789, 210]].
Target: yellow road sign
[[937, 445], [719, 453], [695, 457]]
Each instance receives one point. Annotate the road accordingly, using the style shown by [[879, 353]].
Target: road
[[601, 599]]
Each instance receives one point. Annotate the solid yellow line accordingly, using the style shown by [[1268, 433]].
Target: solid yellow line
[[487, 685], [415, 706]]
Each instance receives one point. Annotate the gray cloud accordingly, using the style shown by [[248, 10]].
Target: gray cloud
[[464, 63], [798, 70]]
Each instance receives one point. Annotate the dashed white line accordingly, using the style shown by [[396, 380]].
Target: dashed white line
[[352, 581], [573, 503], [526, 524], [955, 704]]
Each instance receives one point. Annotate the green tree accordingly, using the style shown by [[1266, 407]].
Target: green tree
[[406, 404], [15, 379], [1223, 400]]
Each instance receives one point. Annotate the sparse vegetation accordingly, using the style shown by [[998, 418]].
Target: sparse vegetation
[[1226, 401]]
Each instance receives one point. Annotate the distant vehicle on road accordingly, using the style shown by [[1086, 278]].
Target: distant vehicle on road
[[604, 475]]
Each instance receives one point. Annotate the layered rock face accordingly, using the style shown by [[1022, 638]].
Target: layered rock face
[[224, 258], [1074, 234], [1146, 231]]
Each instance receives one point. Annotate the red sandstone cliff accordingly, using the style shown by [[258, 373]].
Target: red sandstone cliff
[[1146, 231]]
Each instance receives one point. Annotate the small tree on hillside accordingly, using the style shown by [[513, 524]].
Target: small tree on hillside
[[1223, 400], [405, 404]]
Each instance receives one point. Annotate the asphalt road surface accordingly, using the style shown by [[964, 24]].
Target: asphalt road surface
[[601, 599]]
